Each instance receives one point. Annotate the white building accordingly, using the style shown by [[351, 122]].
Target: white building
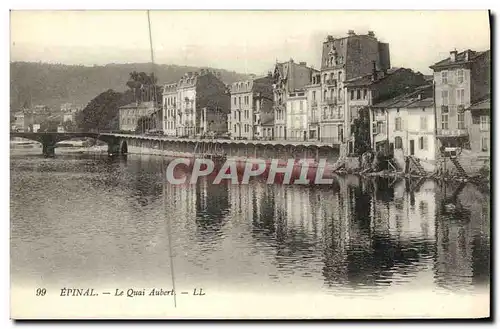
[[296, 116], [407, 123], [170, 102]]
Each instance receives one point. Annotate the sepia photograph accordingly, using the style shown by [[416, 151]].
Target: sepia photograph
[[250, 164]]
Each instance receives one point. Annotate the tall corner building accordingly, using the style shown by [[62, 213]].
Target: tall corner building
[[343, 59]]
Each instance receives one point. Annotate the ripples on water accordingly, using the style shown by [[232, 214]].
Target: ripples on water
[[87, 219]]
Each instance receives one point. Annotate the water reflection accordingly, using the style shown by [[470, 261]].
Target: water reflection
[[356, 234]]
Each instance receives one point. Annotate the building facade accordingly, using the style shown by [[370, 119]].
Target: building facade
[[344, 59], [196, 93], [296, 116], [130, 114], [408, 127], [250, 100], [169, 103], [480, 132], [313, 94], [288, 78], [460, 80], [374, 93]]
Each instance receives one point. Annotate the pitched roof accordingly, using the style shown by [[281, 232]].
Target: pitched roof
[[427, 102], [484, 104], [461, 58], [366, 80], [134, 105], [406, 99]]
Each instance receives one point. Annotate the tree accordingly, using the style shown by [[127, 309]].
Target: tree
[[144, 86], [101, 113], [361, 131]]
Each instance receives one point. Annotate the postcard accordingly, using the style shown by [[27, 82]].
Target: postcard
[[169, 164]]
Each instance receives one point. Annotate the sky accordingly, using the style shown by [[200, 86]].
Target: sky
[[241, 41]]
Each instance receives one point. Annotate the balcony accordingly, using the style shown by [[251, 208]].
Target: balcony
[[452, 133], [332, 116]]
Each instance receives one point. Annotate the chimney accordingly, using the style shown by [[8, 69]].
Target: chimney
[[291, 60], [303, 63], [374, 71], [252, 76], [351, 33], [467, 55], [269, 74], [453, 55], [330, 38], [371, 34]]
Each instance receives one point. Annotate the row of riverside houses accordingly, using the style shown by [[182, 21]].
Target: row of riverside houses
[[355, 100]]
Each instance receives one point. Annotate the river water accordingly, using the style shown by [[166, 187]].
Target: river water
[[89, 220]]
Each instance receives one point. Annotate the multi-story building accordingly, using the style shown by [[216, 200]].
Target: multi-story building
[[267, 126], [344, 59], [364, 93], [296, 115], [249, 101], [479, 130], [289, 78], [407, 126], [313, 93], [199, 93], [129, 115], [169, 108], [460, 80]]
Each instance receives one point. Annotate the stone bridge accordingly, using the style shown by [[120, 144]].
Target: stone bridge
[[129, 143], [116, 145]]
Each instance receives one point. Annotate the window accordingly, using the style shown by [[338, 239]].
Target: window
[[301, 107], [398, 143], [365, 93], [358, 94], [239, 100], [352, 94], [332, 94], [444, 97], [340, 76], [485, 144], [381, 127], [444, 121], [460, 76], [484, 123], [340, 94], [314, 95], [460, 121], [234, 100], [324, 95], [422, 143], [460, 96], [397, 122], [423, 123], [444, 77]]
